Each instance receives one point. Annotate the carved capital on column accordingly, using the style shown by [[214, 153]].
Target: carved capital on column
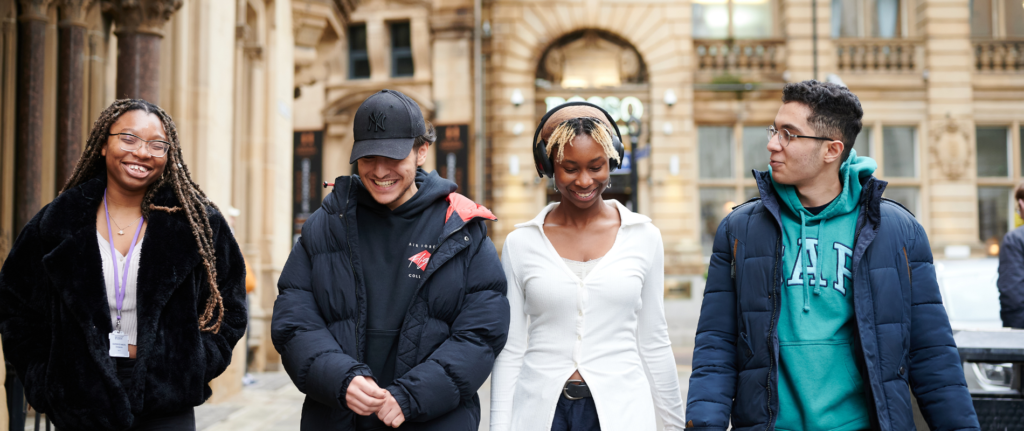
[[951, 147], [73, 12], [34, 10], [140, 16]]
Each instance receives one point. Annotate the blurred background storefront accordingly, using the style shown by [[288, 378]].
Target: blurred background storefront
[[264, 93]]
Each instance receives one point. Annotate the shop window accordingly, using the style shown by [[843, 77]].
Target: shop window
[[863, 142], [997, 18], [716, 151], [732, 19], [358, 60], [899, 151], [715, 204], [755, 149], [401, 50], [863, 18], [993, 147], [994, 213]]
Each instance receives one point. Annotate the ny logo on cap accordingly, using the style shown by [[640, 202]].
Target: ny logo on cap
[[376, 122]]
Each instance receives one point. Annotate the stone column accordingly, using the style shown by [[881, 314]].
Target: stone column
[[29, 124], [139, 29], [70, 84]]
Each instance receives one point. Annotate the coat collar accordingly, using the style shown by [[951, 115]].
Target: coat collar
[[629, 218], [169, 257]]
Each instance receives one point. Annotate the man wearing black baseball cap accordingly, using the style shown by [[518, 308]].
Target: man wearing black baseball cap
[[392, 303]]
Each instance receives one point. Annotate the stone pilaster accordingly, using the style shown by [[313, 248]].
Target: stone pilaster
[[29, 124], [139, 29], [70, 83]]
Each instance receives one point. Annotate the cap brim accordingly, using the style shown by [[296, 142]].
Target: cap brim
[[392, 148]]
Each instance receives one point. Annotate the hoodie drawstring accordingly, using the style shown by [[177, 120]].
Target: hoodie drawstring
[[803, 245], [819, 267]]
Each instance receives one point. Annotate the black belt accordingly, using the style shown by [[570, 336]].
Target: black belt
[[576, 390]]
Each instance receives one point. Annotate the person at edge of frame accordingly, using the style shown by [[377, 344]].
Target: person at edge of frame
[[1011, 270], [586, 282], [123, 297], [392, 303], [821, 305]]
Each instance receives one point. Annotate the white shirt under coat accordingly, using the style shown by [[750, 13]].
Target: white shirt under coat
[[610, 326], [129, 309]]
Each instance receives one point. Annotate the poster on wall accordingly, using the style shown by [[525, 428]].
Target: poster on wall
[[452, 151], [307, 174]]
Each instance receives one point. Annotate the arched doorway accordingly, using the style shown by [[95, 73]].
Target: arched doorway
[[602, 68]]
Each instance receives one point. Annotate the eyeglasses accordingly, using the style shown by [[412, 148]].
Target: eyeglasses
[[785, 137], [131, 143]]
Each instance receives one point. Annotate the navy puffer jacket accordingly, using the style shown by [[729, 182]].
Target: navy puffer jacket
[[903, 333], [455, 326], [1011, 279]]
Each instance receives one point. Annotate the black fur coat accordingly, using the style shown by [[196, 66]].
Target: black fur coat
[[54, 316]]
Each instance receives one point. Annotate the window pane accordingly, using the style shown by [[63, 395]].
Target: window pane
[[993, 151], [715, 148], [755, 150], [993, 213], [899, 147], [715, 204], [752, 19], [845, 18], [358, 61], [401, 51], [863, 143], [887, 19], [906, 196], [357, 37], [400, 35], [710, 19], [1014, 18], [981, 18]]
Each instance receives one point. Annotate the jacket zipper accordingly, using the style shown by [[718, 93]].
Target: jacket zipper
[[910, 276], [771, 327], [735, 244]]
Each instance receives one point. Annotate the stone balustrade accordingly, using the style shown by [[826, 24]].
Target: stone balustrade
[[738, 56], [879, 55], [999, 55]]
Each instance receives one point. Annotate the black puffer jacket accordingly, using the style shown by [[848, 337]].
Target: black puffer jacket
[[55, 319], [455, 326]]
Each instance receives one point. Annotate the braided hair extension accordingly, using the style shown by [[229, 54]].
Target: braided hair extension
[[177, 176], [569, 129]]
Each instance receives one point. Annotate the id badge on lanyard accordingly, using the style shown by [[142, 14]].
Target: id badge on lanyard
[[118, 339]]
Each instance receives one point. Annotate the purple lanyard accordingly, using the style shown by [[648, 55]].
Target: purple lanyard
[[119, 288]]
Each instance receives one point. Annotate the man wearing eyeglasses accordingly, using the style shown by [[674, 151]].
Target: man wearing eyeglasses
[[821, 305]]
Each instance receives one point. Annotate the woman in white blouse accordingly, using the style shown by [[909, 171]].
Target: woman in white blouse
[[588, 345]]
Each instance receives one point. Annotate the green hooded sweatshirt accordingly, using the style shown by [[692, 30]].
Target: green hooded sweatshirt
[[819, 385]]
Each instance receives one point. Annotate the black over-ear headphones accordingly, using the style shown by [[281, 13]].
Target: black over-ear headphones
[[546, 166]]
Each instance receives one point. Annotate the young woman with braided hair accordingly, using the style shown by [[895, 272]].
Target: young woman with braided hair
[[588, 345], [123, 298]]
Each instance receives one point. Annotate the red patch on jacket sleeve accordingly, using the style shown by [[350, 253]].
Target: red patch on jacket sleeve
[[466, 208]]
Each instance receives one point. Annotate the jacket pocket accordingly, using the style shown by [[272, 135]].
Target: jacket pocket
[[820, 387]]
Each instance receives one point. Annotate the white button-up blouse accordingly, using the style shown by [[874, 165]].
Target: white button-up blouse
[[610, 326]]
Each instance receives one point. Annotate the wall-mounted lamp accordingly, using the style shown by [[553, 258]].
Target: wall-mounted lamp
[[673, 165], [667, 128], [486, 28], [517, 98], [670, 98], [518, 129], [513, 165]]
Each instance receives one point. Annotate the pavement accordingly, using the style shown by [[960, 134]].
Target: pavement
[[274, 404]]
